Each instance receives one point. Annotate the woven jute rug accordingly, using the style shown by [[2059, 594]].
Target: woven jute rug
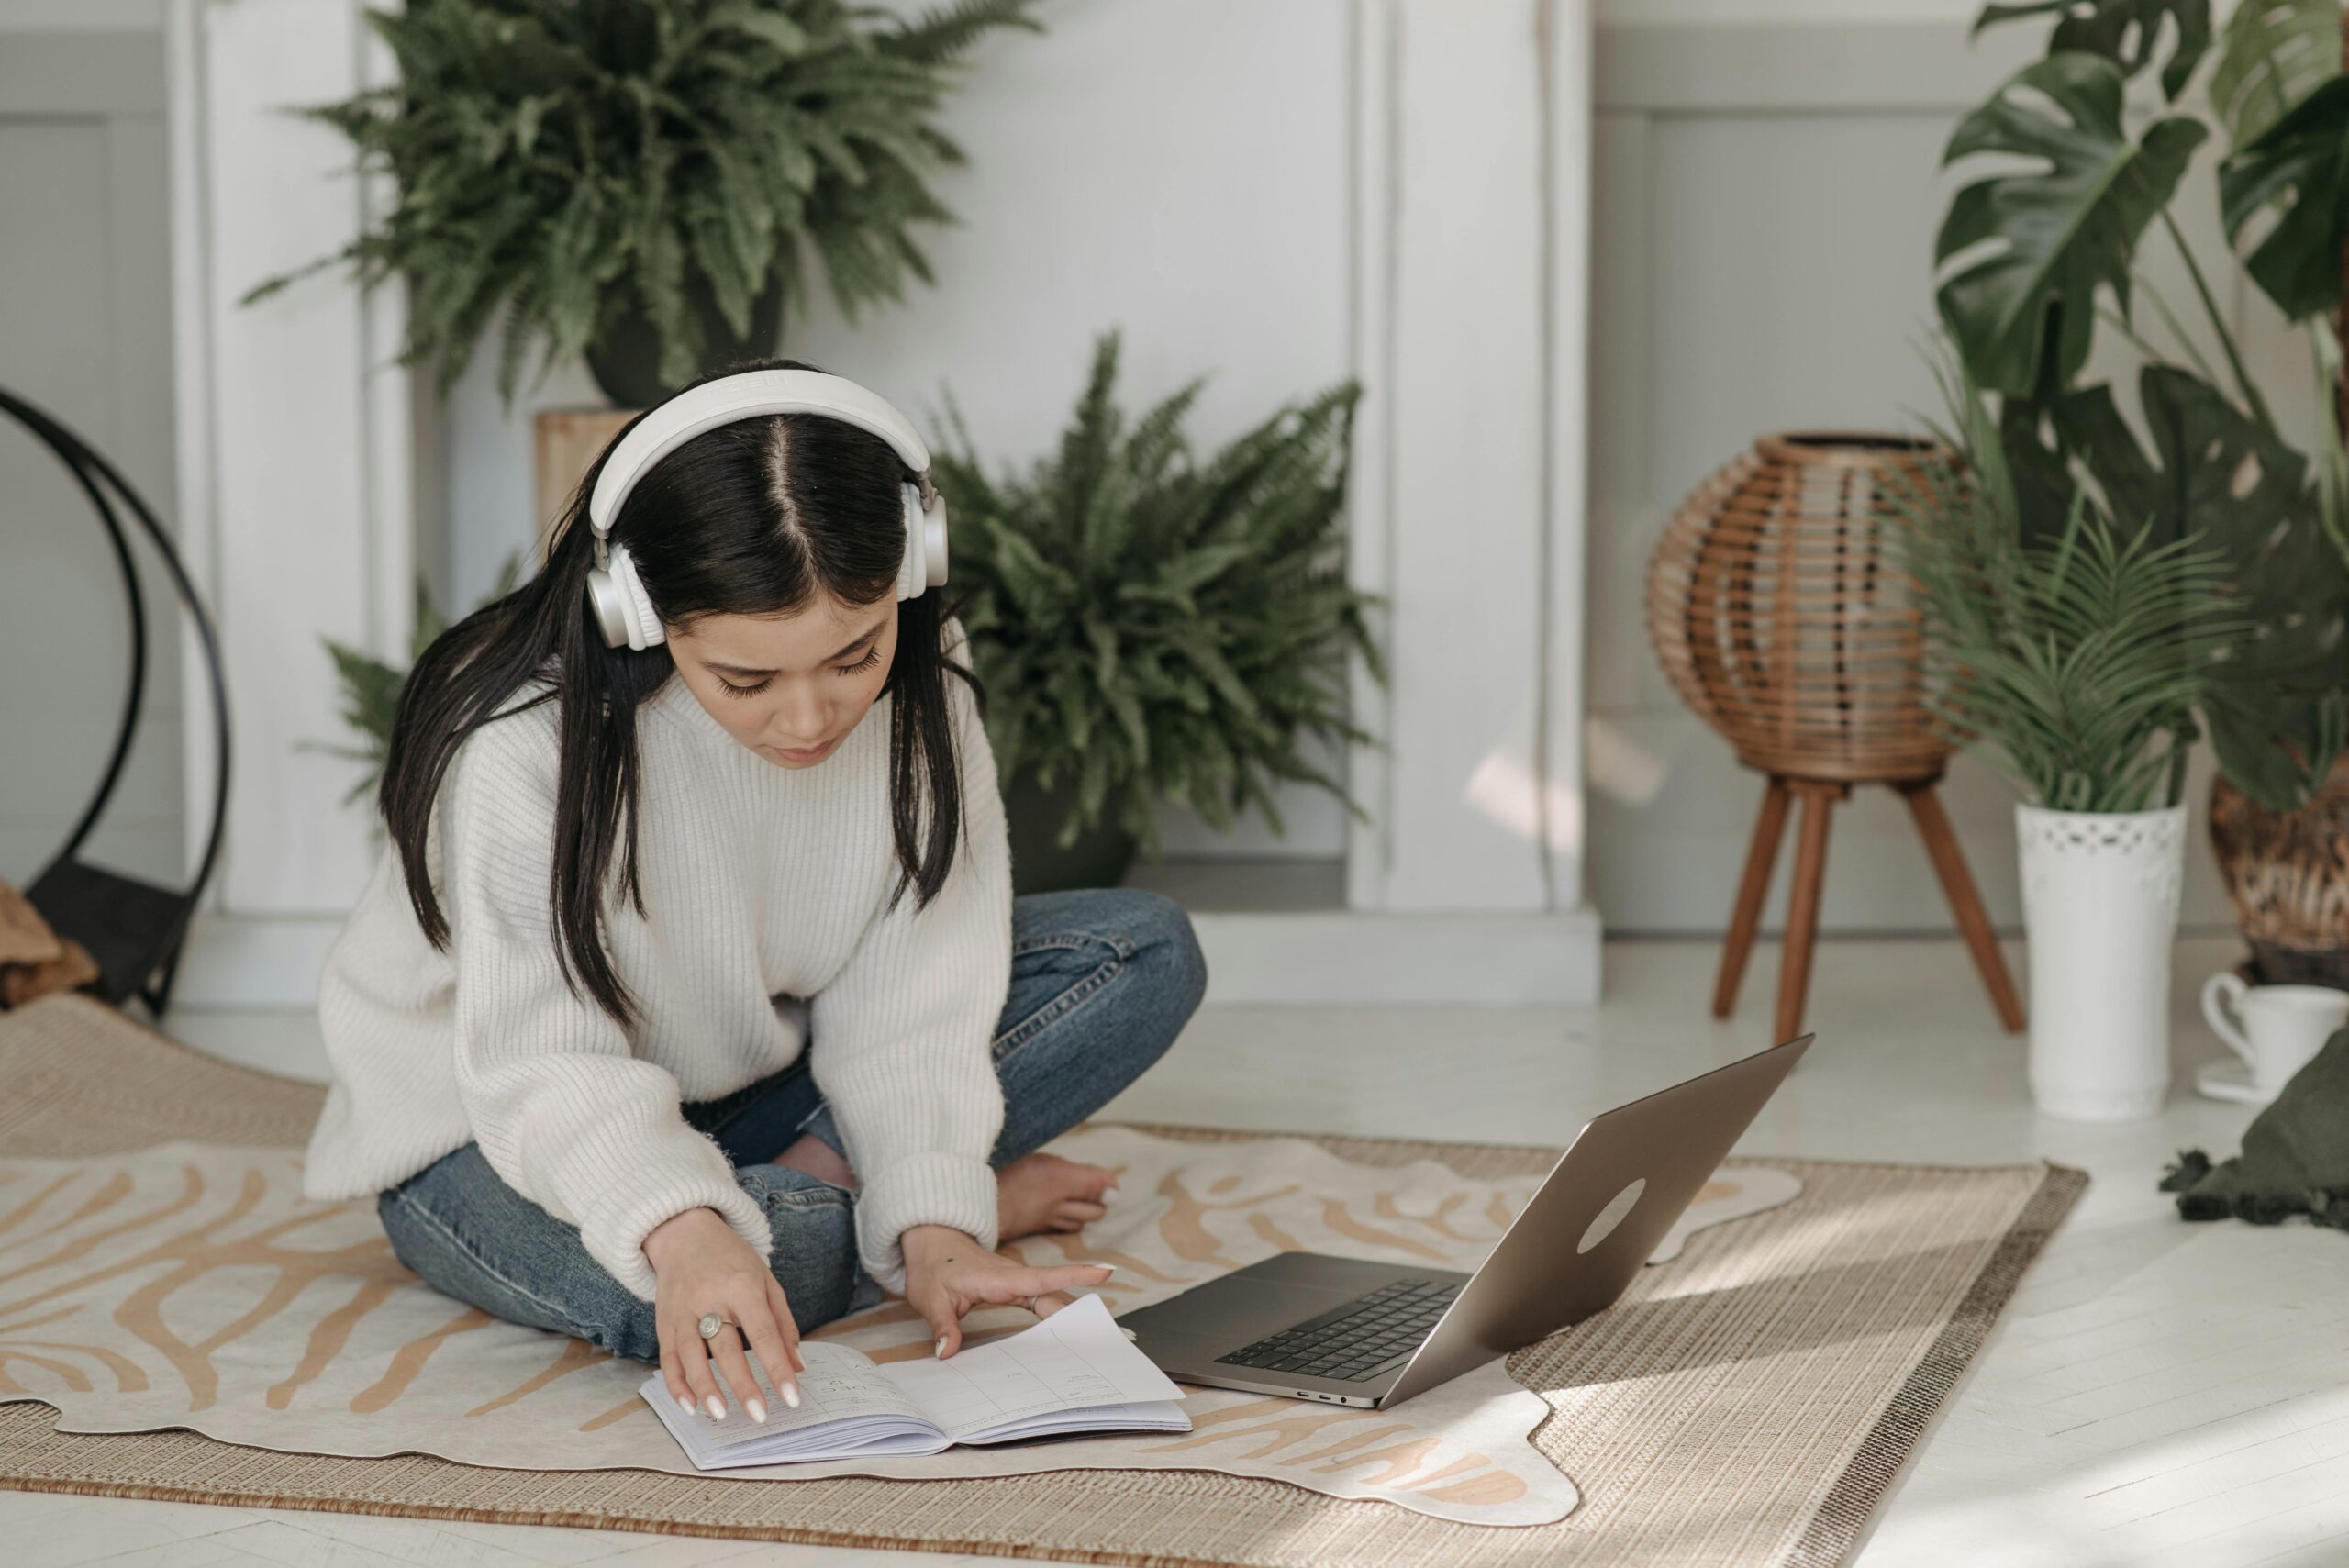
[[1746, 1404]]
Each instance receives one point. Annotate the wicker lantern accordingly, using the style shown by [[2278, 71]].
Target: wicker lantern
[[1780, 620]]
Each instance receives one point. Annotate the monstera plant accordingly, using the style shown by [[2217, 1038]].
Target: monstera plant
[[2048, 250]]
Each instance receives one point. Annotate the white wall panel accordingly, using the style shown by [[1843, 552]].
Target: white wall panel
[[85, 333], [1765, 262]]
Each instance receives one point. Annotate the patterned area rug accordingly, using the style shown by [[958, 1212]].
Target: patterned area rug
[[1746, 1404]]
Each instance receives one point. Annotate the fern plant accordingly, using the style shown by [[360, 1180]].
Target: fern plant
[[1157, 628], [568, 165], [2079, 658], [371, 688]]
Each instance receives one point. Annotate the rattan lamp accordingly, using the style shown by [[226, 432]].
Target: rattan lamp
[[1776, 615]]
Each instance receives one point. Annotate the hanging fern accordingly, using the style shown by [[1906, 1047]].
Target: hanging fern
[[1160, 628], [561, 164]]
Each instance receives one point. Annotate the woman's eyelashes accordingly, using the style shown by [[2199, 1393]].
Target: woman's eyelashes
[[872, 657]]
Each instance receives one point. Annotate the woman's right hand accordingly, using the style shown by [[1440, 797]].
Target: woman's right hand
[[699, 1267]]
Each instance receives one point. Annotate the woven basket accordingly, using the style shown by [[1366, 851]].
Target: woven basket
[[1776, 615]]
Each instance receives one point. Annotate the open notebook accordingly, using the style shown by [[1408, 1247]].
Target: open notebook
[[1075, 1371]]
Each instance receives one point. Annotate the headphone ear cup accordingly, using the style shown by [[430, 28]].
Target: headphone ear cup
[[632, 613], [933, 538], [604, 601], [913, 567]]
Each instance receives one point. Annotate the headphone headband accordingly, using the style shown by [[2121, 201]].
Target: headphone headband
[[616, 596], [748, 395]]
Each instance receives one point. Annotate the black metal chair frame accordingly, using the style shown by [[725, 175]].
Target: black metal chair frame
[[135, 930]]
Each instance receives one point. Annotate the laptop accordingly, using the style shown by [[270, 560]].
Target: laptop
[[1351, 1331]]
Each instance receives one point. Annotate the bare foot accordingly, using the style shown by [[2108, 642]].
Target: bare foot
[[1044, 1192]]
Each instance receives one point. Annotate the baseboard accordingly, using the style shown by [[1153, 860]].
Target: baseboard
[[1339, 958], [1312, 958], [254, 960]]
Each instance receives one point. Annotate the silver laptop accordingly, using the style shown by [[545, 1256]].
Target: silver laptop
[[1349, 1332]]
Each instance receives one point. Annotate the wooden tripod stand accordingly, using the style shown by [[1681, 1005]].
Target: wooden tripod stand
[[1820, 798]]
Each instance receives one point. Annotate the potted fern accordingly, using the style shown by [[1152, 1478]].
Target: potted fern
[[1153, 628], [645, 182], [2080, 661], [2044, 255]]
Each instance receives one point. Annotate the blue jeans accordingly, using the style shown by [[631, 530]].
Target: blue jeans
[[1102, 980]]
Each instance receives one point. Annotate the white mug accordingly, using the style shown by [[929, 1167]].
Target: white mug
[[2281, 1025]]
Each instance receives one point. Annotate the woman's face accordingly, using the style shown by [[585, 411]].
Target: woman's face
[[789, 687]]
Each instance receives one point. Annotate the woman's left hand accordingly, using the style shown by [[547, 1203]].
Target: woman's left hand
[[947, 1274]]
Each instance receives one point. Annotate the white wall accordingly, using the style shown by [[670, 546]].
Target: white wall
[[1767, 199], [82, 15], [1762, 262], [1717, 13], [85, 333], [1176, 168]]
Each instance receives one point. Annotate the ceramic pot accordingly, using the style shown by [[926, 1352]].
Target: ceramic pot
[[625, 357], [2287, 876], [2100, 900], [1032, 816]]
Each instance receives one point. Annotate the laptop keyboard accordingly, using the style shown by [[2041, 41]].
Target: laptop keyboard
[[1367, 1336]]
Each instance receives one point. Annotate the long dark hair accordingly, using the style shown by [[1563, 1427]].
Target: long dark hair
[[749, 519]]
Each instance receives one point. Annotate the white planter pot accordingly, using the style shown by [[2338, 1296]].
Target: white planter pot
[[2100, 900]]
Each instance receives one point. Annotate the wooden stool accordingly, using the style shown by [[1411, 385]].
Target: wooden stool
[[1784, 622], [1818, 798]]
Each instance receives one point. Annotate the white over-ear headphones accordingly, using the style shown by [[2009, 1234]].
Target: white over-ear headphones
[[615, 593]]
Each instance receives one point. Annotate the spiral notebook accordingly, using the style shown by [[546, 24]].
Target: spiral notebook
[[1075, 1371]]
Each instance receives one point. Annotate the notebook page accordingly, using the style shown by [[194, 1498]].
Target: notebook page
[[841, 1385], [1075, 1360]]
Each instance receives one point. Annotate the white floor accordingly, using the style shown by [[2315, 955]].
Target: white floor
[[2141, 1404]]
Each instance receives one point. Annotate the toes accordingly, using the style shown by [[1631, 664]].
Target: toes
[[1076, 1216], [1087, 1182]]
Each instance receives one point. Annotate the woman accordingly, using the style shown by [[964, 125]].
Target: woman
[[689, 1006]]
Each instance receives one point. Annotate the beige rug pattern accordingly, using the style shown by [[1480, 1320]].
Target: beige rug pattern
[[1746, 1404], [192, 1285]]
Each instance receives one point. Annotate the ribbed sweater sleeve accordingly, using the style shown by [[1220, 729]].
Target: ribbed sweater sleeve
[[901, 1039], [563, 1109]]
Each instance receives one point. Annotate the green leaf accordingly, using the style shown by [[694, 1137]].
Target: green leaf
[[1169, 629], [2083, 659], [2228, 480], [771, 27], [2297, 168], [941, 35], [2020, 255], [2273, 54], [2123, 32], [561, 166]]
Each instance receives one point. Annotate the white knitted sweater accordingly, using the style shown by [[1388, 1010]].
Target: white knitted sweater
[[763, 885]]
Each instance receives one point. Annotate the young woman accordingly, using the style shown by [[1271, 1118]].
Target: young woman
[[689, 1006]]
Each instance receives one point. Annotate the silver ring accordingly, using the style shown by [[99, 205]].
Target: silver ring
[[1032, 1305], [711, 1323]]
